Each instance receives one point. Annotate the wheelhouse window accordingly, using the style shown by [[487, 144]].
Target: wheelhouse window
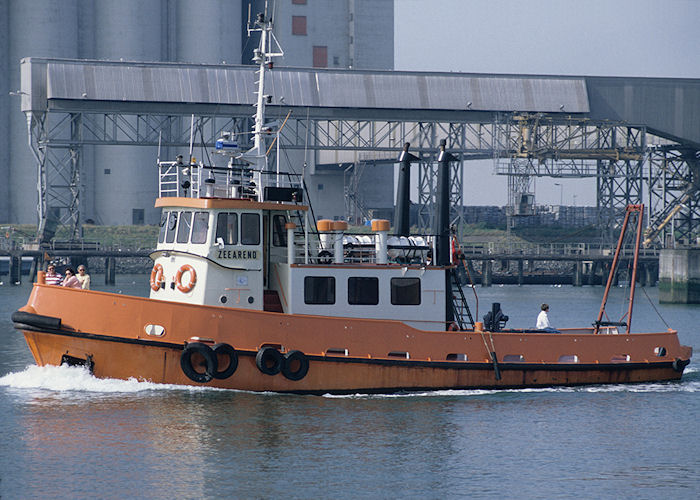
[[319, 290], [250, 229], [172, 226], [279, 233], [227, 228], [405, 291], [363, 291], [183, 230], [200, 227], [163, 226]]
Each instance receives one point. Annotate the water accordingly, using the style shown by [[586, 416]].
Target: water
[[67, 434]]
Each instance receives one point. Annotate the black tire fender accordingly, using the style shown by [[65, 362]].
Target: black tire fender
[[269, 360], [296, 365], [225, 350], [209, 357], [679, 365]]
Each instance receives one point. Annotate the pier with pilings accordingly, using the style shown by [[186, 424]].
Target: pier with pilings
[[554, 264], [75, 255], [489, 263]]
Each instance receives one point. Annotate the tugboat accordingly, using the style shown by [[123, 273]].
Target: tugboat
[[246, 295]]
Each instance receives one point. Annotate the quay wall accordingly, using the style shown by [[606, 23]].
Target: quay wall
[[679, 275]]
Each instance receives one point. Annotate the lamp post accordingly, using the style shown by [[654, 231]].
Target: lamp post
[[561, 193]]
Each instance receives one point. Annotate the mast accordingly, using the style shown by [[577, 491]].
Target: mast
[[262, 56]]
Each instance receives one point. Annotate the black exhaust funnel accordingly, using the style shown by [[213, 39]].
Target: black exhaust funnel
[[442, 216], [442, 227], [403, 193]]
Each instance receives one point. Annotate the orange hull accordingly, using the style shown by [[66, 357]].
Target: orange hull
[[344, 355]]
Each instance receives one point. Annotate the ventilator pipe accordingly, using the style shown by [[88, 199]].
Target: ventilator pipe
[[381, 228], [325, 226], [339, 228], [290, 227]]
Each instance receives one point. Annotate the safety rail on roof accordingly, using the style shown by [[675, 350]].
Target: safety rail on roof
[[235, 181]]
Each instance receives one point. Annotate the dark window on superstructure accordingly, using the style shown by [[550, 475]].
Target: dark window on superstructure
[[299, 2], [172, 225], [227, 228], [108, 171], [320, 56], [405, 291], [298, 25], [363, 291], [250, 229], [279, 232], [200, 227], [163, 226], [183, 230], [336, 61], [319, 290]]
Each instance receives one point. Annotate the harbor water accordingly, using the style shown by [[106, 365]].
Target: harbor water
[[69, 435]]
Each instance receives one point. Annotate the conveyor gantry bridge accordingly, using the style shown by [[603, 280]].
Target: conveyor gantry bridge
[[631, 134]]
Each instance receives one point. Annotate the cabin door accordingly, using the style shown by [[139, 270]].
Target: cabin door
[[266, 250]]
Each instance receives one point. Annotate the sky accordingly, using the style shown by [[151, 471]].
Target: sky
[[653, 38]]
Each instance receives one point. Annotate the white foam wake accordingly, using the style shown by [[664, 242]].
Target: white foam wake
[[77, 378], [688, 384]]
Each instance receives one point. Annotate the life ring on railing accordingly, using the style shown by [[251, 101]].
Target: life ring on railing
[[156, 277], [192, 281]]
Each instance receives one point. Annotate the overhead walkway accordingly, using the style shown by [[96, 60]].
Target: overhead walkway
[[623, 131]]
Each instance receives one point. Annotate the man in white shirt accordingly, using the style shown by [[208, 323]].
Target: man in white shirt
[[543, 320]]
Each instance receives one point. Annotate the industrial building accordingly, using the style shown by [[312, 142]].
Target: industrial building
[[118, 184], [637, 138]]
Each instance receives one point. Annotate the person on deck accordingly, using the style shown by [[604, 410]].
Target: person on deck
[[71, 281], [83, 277], [543, 320], [52, 277]]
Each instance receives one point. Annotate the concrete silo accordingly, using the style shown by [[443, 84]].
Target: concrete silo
[[208, 31], [125, 178], [41, 28], [6, 101]]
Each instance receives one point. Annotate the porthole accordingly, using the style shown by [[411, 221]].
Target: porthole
[[223, 299], [334, 351], [568, 358], [457, 357], [620, 358], [399, 354]]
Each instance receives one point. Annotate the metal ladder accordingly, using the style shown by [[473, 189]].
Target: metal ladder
[[459, 303]]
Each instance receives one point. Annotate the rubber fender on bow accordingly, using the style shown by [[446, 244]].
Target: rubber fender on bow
[[204, 358], [36, 320], [222, 352], [269, 360], [679, 365], [296, 365]]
